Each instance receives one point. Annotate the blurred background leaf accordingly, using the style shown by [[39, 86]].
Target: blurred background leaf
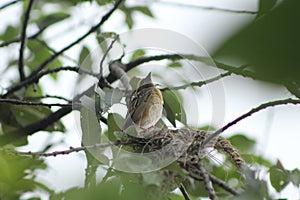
[[270, 43]]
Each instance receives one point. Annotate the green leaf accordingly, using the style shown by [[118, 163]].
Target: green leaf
[[174, 196], [293, 87], [26, 115], [10, 33], [101, 36], [108, 97], [270, 44], [39, 54], [279, 177], [137, 54], [33, 90], [254, 188], [113, 96], [173, 107], [85, 59], [91, 129], [251, 158], [265, 6], [242, 143], [103, 2], [48, 20], [129, 20], [114, 123], [175, 65], [153, 178], [143, 9], [15, 170], [7, 116]]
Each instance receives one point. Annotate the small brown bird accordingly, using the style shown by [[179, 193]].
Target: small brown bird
[[145, 105]]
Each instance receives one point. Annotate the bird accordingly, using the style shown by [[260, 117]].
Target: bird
[[145, 105]]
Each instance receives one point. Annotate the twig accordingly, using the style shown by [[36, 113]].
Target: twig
[[248, 114], [222, 184], [27, 103], [9, 4], [172, 57], [46, 96], [71, 150], [23, 40], [117, 69], [105, 54], [217, 182], [207, 182], [244, 73], [34, 79], [198, 83], [184, 192], [92, 29]]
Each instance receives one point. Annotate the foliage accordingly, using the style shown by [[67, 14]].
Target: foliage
[[18, 174], [269, 44]]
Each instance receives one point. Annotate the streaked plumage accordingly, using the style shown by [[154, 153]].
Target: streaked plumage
[[145, 105]]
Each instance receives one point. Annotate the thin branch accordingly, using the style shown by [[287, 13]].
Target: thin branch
[[34, 79], [248, 114], [198, 83], [46, 96], [207, 182], [118, 70], [9, 4], [244, 73], [217, 182], [28, 103], [184, 192], [92, 29], [71, 150], [222, 184], [105, 54], [23, 40], [205, 82]]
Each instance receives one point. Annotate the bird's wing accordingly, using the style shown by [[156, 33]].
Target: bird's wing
[[137, 106]]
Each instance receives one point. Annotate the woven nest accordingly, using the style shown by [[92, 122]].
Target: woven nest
[[186, 146]]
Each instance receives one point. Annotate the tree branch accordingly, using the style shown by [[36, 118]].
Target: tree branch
[[92, 29], [35, 127], [23, 40], [207, 182], [34, 79], [45, 96], [222, 184], [248, 114], [27, 103], [9, 4], [184, 192], [71, 150], [105, 55]]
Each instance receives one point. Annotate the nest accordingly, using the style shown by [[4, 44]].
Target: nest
[[186, 146]]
